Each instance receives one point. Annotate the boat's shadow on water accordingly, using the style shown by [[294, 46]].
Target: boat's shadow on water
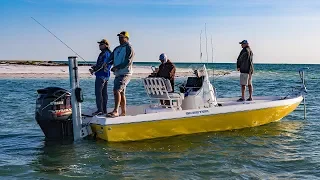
[[55, 157], [100, 158]]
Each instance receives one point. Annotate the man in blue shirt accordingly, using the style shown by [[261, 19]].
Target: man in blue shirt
[[102, 72]]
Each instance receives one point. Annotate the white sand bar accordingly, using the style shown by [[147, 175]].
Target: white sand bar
[[34, 71]]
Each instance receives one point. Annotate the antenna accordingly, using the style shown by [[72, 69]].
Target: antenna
[[200, 48], [212, 58], [205, 26]]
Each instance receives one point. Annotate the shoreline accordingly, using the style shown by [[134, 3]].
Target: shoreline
[[32, 62], [9, 71]]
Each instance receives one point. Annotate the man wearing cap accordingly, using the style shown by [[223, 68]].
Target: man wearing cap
[[166, 70], [245, 66], [102, 72], [121, 58]]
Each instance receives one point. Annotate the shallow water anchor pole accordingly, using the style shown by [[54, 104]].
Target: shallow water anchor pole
[[305, 107], [76, 106], [303, 90], [304, 96]]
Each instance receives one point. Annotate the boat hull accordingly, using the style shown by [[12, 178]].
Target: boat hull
[[189, 125]]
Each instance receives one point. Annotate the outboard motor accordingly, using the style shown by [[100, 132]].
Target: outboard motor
[[54, 113]]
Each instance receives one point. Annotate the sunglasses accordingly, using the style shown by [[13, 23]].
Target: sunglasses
[[101, 44]]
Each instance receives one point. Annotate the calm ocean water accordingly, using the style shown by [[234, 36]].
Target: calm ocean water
[[289, 149]]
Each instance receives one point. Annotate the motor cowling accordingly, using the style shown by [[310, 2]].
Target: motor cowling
[[53, 112]]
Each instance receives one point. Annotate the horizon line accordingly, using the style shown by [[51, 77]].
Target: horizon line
[[173, 62]]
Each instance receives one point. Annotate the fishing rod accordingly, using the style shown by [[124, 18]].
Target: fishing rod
[[205, 30], [60, 40], [200, 48], [91, 72], [212, 59], [62, 70]]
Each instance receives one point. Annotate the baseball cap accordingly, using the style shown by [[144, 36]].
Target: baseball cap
[[124, 33], [163, 57], [243, 42], [103, 41]]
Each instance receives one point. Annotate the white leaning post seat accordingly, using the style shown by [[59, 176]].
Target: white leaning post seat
[[158, 88]]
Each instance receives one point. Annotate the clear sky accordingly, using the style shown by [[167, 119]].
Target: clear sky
[[279, 31]]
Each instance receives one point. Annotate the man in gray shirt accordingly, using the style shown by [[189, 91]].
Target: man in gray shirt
[[245, 66], [121, 58]]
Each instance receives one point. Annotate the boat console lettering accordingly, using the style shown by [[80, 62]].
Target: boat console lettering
[[197, 112], [57, 103]]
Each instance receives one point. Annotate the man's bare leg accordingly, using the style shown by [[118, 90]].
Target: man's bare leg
[[117, 99], [243, 90], [123, 103], [250, 91], [250, 87]]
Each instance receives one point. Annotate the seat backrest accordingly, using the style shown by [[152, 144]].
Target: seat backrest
[[157, 86]]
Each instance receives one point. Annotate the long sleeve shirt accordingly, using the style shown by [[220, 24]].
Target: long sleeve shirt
[[245, 60]]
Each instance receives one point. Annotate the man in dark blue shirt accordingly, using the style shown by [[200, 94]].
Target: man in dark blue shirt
[[102, 72]]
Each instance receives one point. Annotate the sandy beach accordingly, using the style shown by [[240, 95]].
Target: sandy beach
[[35, 71]]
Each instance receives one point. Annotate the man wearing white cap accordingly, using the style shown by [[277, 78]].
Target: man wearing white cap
[[166, 69]]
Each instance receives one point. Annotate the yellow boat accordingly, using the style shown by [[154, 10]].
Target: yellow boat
[[195, 110]]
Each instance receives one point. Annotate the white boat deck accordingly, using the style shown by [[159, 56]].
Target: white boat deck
[[228, 105], [258, 99], [140, 109]]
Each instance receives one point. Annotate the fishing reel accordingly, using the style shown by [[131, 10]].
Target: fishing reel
[[153, 68]]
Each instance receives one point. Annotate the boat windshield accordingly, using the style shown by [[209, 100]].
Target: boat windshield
[[199, 70]]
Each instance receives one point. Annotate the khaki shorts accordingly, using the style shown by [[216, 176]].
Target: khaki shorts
[[121, 82], [245, 79]]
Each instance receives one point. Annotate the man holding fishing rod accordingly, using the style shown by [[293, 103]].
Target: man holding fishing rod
[[102, 72], [121, 58]]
